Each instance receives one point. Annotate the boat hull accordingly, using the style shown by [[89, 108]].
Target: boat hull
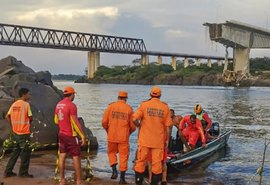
[[183, 161]]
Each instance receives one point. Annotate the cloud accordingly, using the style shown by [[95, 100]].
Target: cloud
[[53, 13], [174, 34]]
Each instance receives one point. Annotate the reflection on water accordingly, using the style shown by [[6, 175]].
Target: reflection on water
[[243, 110]]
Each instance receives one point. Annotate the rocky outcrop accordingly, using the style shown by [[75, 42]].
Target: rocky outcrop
[[44, 97]]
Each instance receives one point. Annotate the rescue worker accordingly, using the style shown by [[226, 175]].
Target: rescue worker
[[176, 143], [117, 121], [69, 130], [204, 118], [164, 166], [20, 117], [175, 118], [153, 118], [192, 130]]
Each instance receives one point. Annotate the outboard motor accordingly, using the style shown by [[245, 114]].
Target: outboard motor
[[214, 130]]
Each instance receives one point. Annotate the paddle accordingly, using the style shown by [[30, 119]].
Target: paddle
[[184, 141]]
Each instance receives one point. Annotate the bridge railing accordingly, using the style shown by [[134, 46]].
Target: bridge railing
[[17, 35]]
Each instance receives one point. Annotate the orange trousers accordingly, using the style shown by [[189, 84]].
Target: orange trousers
[[123, 150], [191, 135], [143, 156]]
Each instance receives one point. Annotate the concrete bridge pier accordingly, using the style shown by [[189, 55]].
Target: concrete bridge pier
[[219, 62], [197, 62], [186, 63], [144, 59], [209, 63], [93, 63], [159, 60], [173, 62], [241, 60]]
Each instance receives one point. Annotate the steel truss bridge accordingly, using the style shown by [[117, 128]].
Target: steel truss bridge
[[26, 36], [16, 35]]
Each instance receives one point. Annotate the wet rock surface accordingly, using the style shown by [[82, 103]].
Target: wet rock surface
[[43, 98]]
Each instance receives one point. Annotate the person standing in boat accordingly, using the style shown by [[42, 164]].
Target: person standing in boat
[[191, 128], [175, 143], [153, 118], [117, 121], [203, 116]]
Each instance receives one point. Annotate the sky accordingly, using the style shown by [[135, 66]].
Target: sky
[[164, 25]]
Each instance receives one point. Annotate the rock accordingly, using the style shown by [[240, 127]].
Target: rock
[[11, 62], [43, 98]]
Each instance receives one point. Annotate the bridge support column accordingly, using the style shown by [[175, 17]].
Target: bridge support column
[[241, 60], [209, 63], [93, 63], [219, 62], [174, 62], [144, 59], [186, 63], [197, 61], [159, 60]]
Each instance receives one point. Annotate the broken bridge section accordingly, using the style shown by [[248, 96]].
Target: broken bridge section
[[241, 37]]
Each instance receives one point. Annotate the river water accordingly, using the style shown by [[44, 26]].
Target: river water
[[245, 111]]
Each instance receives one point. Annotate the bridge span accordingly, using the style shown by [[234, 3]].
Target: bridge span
[[26, 36], [242, 38]]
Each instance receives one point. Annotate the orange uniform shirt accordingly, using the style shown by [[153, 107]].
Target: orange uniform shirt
[[67, 119], [117, 120], [155, 117], [20, 114], [185, 123]]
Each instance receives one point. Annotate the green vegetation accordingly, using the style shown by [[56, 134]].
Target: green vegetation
[[259, 65], [66, 77], [164, 73]]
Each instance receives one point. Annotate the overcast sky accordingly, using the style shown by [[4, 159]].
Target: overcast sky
[[164, 25]]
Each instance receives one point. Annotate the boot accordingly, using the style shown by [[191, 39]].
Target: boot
[[156, 178], [138, 178], [122, 178], [114, 172]]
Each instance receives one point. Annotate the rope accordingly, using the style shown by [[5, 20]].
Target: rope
[[89, 171], [56, 165], [2, 154]]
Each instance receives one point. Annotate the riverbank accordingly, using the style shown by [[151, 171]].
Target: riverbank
[[42, 166]]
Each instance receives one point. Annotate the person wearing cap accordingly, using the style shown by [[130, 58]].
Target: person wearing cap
[[153, 118], [20, 117], [117, 121], [191, 128], [69, 129]]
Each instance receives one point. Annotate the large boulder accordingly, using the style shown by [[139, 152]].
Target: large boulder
[[43, 99]]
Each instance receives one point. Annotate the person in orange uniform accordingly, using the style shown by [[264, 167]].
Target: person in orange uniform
[[20, 117], [153, 118], [69, 130], [164, 165], [192, 130], [117, 121], [203, 116]]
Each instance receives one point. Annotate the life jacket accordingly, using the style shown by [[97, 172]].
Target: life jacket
[[201, 118]]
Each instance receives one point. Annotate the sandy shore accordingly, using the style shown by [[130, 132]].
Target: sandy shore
[[42, 166]]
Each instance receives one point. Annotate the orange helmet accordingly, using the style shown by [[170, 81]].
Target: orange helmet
[[69, 90], [155, 91], [198, 109], [122, 94]]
